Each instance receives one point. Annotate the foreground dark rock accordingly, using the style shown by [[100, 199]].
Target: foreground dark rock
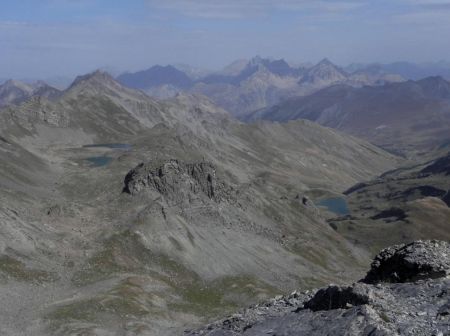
[[392, 306], [411, 262]]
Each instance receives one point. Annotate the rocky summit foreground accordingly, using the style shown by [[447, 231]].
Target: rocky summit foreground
[[406, 292]]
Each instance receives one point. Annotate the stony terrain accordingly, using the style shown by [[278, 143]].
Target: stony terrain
[[179, 215], [124, 214], [406, 292]]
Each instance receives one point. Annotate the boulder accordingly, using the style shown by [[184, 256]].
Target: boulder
[[410, 262], [338, 297]]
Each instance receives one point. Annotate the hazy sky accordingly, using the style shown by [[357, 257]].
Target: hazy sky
[[42, 38]]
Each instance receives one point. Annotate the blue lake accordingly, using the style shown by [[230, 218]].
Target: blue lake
[[111, 145], [338, 205], [103, 160], [99, 161]]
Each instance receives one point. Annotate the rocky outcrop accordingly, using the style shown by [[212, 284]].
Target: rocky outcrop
[[404, 263], [178, 181], [392, 306]]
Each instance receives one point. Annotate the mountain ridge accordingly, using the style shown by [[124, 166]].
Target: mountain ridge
[[14, 92], [249, 85], [376, 112]]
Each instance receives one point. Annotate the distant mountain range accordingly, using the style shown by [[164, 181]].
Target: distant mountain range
[[407, 70], [245, 86], [369, 101], [407, 116]]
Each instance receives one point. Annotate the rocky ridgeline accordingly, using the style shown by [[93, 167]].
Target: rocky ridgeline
[[178, 181], [406, 292]]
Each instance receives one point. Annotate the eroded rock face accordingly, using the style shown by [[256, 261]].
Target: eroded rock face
[[411, 262], [363, 309], [178, 181]]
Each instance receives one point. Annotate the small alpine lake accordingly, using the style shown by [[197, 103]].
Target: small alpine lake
[[99, 161], [104, 160], [337, 205]]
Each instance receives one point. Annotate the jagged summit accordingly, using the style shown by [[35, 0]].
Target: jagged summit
[[326, 61], [97, 77], [324, 73], [277, 67], [257, 60]]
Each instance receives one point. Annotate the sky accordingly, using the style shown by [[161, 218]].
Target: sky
[[47, 38]]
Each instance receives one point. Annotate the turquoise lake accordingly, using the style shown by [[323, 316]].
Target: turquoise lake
[[103, 160], [99, 161], [338, 205]]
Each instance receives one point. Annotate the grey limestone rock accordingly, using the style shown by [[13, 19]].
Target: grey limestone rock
[[411, 262], [178, 181], [391, 306]]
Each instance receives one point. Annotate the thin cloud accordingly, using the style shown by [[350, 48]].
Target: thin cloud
[[240, 9], [431, 5], [437, 6], [430, 13]]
